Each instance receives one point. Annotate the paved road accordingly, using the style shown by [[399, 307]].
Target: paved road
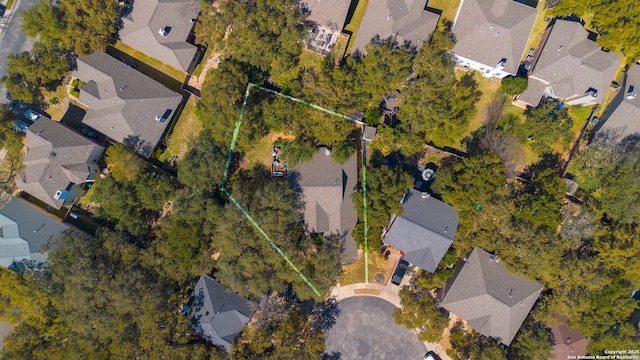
[[13, 40], [365, 330]]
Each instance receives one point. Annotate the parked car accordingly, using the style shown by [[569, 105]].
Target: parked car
[[401, 269], [431, 356], [32, 115], [89, 133]]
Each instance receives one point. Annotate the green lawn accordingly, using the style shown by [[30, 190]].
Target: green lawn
[[356, 20], [354, 273], [307, 59], [538, 28], [152, 67], [449, 8], [10, 4], [489, 88], [186, 126]]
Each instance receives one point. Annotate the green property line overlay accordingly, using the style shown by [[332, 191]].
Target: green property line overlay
[[234, 138]]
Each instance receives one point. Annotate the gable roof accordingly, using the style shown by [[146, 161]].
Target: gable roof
[[326, 193], [406, 19], [124, 103], [24, 230], [624, 117], [56, 156], [332, 13], [217, 314], [573, 64], [141, 30], [494, 302], [425, 231], [488, 31]]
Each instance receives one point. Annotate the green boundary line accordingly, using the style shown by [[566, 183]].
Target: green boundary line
[[223, 185]]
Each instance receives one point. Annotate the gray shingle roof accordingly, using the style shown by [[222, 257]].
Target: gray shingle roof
[[491, 300], [573, 64], [533, 94], [24, 230], [332, 13], [425, 231], [488, 31], [123, 103], [326, 192], [406, 19], [217, 314], [624, 116], [56, 156], [141, 30]]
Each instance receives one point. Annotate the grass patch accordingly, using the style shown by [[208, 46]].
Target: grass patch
[[186, 126], [355, 21], [144, 59], [198, 70], [340, 48], [489, 88], [85, 200], [449, 8], [354, 273], [10, 4], [260, 152], [539, 26], [57, 109], [308, 59]]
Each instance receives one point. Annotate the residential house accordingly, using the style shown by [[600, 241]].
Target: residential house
[[124, 104], [492, 301], [567, 342], [622, 117], [24, 230], [491, 35], [59, 162], [326, 188], [328, 18], [570, 66], [407, 20], [425, 231], [217, 314], [161, 29]]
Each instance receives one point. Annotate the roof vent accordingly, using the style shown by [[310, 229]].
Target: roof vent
[[494, 258], [425, 195], [327, 151], [164, 31], [631, 94], [511, 294], [561, 47], [193, 21], [53, 154]]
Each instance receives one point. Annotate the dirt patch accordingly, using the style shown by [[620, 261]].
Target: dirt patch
[[373, 292]]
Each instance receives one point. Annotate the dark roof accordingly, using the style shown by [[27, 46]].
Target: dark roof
[[406, 19], [572, 63], [567, 341], [218, 314], [425, 231], [492, 301], [326, 192], [56, 157], [141, 30], [124, 103], [24, 230], [624, 118], [332, 13], [488, 31]]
